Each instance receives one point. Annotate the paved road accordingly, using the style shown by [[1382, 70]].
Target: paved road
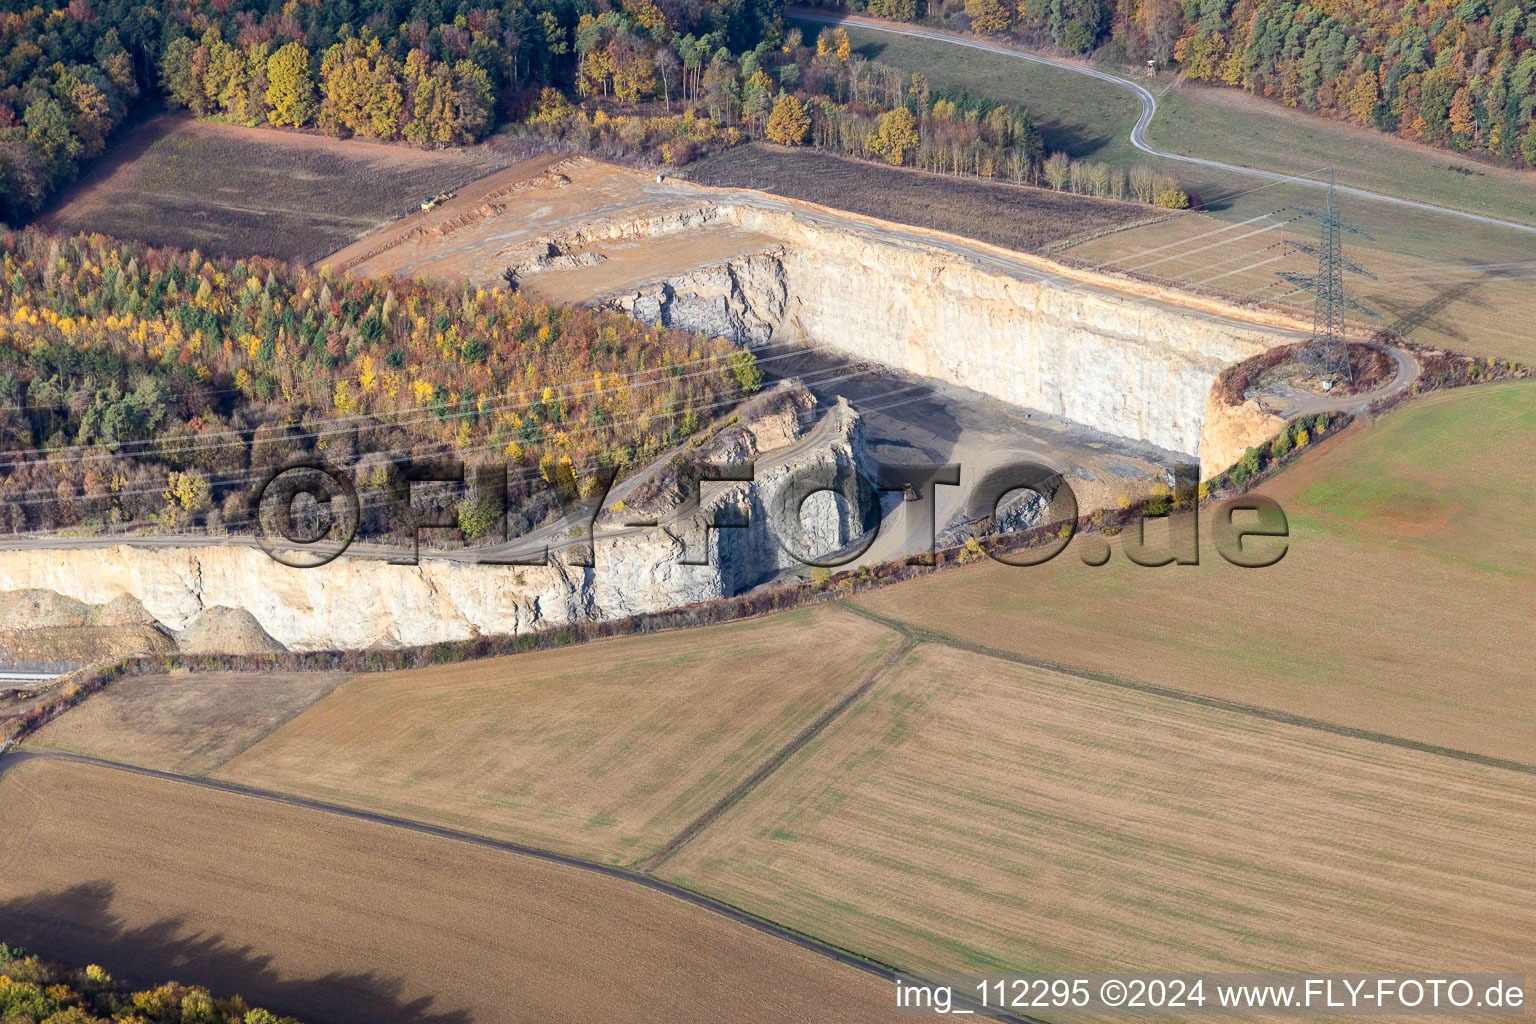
[[11, 760], [1148, 110]]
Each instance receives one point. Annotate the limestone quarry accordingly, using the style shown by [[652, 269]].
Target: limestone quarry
[[1108, 381], [1115, 356], [203, 594]]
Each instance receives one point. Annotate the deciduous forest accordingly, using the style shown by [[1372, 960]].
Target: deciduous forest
[[1454, 73], [144, 387], [426, 72], [669, 81]]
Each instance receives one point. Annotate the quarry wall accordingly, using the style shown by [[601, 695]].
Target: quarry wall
[[1114, 362], [358, 602], [1230, 430]]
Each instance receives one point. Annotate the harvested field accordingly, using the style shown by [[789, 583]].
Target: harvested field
[[971, 812], [1012, 216], [1092, 119], [1469, 301], [340, 921], [974, 814], [189, 723], [1402, 605], [233, 191], [1420, 256], [1089, 118], [604, 751]]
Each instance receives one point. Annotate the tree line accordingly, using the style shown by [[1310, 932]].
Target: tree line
[[871, 109], [1454, 73], [355, 88], [150, 388], [66, 81], [428, 71], [805, 92], [32, 990]]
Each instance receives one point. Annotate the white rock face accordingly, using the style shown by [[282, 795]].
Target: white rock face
[[647, 572], [349, 603], [745, 299], [358, 602], [1116, 363]]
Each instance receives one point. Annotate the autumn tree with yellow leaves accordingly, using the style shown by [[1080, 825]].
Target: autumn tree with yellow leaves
[[194, 374], [789, 124]]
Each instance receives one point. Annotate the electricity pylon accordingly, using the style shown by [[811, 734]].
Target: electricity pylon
[[1328, 351]]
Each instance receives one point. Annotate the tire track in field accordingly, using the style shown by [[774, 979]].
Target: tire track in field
[[784, 753], [733, 913], [923, 634]]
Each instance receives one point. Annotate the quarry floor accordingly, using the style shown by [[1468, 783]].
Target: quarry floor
[[912, 420]]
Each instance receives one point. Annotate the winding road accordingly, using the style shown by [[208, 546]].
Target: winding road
[[1148, 111]]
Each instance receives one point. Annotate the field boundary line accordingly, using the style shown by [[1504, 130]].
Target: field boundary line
[[346, 677], [783, 754], [698, 899], [923, 634]]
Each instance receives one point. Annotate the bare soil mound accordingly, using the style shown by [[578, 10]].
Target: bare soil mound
[[1284, 367], [124, 610], [82, 643], [226, 631], [41, 609]]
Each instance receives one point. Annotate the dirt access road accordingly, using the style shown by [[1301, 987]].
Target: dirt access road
[[554, 537]]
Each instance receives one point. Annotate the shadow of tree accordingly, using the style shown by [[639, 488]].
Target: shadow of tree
[[77, 926]]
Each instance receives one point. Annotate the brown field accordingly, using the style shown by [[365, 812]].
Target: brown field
[[338, 920], [184, 722], [974, 814], [1017, 218], [1402, 606], [604, 751], [233, 191], [1468, 300]]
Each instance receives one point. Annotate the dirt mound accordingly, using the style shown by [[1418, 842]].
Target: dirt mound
[[123, 610], [81, 644], [226, 631], [41, 609]]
